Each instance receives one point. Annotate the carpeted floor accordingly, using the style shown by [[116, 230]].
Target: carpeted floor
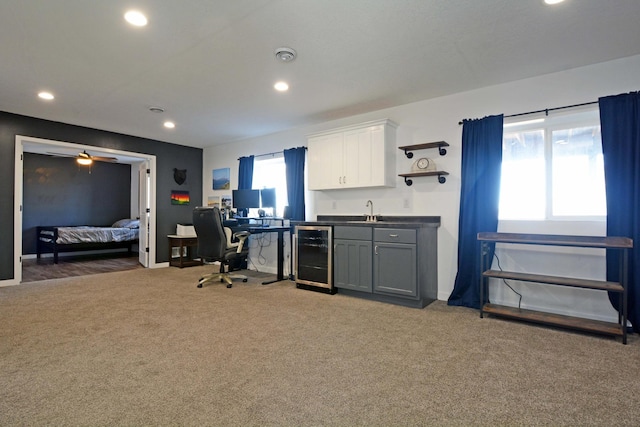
[[146, 347]]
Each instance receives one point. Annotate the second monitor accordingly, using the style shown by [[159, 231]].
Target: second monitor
[[268, 198], [245, 199]]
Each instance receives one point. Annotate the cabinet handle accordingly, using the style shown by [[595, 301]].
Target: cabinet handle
[[393, 235], [340, 180], [344, 179]]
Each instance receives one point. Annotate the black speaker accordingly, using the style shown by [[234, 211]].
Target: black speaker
[[287, 213]]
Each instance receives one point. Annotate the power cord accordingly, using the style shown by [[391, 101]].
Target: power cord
[[507, 283]]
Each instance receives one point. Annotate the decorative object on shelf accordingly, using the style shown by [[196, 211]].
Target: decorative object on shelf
[[179, 176], [424, 166]]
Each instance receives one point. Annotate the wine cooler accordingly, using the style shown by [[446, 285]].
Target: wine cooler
[[313, 258]]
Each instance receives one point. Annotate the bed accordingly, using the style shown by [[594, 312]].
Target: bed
[[56, 239]]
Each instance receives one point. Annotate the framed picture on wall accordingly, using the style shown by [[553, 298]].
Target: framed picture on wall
[[221, 179], [213, 201], [179, 197], [226, 202]]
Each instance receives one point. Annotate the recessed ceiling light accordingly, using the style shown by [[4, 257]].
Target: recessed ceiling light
[[281, 86], [46, 95], [136, 18], [553, 1], [169, 125]]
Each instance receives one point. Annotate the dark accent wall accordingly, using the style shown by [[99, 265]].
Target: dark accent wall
[[168, 157], [58, 191]]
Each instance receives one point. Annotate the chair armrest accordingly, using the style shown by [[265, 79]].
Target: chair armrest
[[241, 236]]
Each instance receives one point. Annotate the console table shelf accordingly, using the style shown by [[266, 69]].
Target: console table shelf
[[623, 244], [587, 325]]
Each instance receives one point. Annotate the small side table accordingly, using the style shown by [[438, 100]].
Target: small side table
[[187, 247]]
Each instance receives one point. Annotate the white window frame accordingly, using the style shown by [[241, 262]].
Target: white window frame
[[281, 196], [555, 223]]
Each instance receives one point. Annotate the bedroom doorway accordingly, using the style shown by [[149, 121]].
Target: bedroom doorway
[[142, 191]]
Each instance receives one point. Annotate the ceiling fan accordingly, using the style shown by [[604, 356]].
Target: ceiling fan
[[85, 158]]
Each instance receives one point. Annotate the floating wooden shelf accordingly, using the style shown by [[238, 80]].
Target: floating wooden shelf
[[408, 152], [439, 174], [439, 145]]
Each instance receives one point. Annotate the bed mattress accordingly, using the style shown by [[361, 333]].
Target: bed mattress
[[87, 234]]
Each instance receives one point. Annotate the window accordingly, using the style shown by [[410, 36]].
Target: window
[[553, 169], [270, 173]]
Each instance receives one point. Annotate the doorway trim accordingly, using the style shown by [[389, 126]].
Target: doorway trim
[[38, 145]]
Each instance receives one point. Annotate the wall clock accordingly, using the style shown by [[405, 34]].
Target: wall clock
[[423, 164]]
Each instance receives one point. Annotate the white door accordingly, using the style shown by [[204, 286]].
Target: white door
[[144, 181]]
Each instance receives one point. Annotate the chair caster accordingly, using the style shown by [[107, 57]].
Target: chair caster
[[199, 285], [229, 285], [244, 280]]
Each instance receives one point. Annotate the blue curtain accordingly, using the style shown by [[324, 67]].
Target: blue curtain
[[294, 165], [245, 173], [620, 124], [479, 197]]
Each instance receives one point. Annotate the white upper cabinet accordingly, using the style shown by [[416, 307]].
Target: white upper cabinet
[[353, 157]]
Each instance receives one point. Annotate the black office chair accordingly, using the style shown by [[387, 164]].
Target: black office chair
[[215, 246]]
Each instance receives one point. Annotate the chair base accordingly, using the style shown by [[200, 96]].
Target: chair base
[[222, 277]]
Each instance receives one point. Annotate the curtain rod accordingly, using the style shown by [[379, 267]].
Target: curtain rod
[[546, 110], [269, 154]]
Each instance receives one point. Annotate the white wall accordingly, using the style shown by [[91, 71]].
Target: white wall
[[435, 120]]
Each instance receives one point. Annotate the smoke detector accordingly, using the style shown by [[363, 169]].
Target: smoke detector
[[285, 54]]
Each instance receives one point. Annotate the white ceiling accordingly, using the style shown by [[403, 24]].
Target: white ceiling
[[211, 64]]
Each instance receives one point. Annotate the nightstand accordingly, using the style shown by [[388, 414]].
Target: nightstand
[[186, 248]]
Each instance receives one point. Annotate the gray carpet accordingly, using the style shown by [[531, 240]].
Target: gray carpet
[[146, 347]]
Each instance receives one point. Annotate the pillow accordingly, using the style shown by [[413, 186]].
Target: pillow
[[126, 223]]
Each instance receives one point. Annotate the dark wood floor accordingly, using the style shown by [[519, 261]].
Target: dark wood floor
[[34, 270]]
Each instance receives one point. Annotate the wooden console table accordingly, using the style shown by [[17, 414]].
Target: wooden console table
[[187, 247], [623, 244]]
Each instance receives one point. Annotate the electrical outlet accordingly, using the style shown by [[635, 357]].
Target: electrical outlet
[[406, 203]]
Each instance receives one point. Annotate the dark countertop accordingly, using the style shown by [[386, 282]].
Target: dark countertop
[[383, 221]]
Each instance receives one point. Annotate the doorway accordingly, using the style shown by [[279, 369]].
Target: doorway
[[143, 183]]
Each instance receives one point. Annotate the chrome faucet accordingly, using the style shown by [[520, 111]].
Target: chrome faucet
[[371, 217]]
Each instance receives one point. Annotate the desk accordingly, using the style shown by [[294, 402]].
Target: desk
[[182, 242], [262, 219], [273, 229]]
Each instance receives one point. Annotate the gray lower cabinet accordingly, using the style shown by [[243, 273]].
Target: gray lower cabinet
[[352, 254], [395, 265], [394, 269], [395, 261]]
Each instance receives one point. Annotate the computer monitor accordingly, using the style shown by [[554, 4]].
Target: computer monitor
[[246, 199], [268, 198]]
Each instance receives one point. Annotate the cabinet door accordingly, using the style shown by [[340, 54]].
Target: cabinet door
[[394, 269], [352, 264], [325, 162], [361, 156], [364, 151], [334, 169]]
